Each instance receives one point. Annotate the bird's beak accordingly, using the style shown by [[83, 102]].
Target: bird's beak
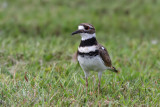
[[77, 32]]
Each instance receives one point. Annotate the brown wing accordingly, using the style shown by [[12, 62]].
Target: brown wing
[[105, 56]]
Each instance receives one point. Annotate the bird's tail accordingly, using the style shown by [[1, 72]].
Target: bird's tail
[[114, 70]]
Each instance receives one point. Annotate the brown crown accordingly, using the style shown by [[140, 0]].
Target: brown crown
[[89, 28]]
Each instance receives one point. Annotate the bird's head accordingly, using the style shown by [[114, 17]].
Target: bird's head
[[85, 30]]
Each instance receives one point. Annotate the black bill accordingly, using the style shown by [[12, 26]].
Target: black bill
[[78, 31]]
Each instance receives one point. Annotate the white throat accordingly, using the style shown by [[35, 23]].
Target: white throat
[[85, 36]]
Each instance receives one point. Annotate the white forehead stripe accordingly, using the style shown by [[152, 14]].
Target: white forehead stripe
[[80, 27]]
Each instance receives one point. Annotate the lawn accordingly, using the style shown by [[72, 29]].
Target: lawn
[[36, 49]]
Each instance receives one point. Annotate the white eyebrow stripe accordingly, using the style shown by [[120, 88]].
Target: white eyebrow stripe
[[90, 26], [80, 27], [87, 49]]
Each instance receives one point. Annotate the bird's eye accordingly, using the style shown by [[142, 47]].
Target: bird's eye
[[86, 27]]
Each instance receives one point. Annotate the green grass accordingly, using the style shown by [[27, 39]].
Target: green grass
[[36, 49]]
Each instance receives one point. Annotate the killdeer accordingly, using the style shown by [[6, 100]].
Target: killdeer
[[91, 55]]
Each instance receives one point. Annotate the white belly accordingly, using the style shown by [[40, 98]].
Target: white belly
[[91, 63]]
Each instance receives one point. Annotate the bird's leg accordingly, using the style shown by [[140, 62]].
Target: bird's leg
[[99, 83], [86, 77], [86, 85]]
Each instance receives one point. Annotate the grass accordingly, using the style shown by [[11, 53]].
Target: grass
[[36, 49]]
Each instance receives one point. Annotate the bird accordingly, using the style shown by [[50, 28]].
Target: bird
[[91, 55]]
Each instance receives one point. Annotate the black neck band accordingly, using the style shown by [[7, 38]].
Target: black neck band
[[88, 42], [92, 53]]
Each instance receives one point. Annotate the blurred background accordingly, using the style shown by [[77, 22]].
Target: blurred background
[[35, 36], [51, 22]]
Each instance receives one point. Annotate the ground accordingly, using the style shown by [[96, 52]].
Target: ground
[[36, 49]]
